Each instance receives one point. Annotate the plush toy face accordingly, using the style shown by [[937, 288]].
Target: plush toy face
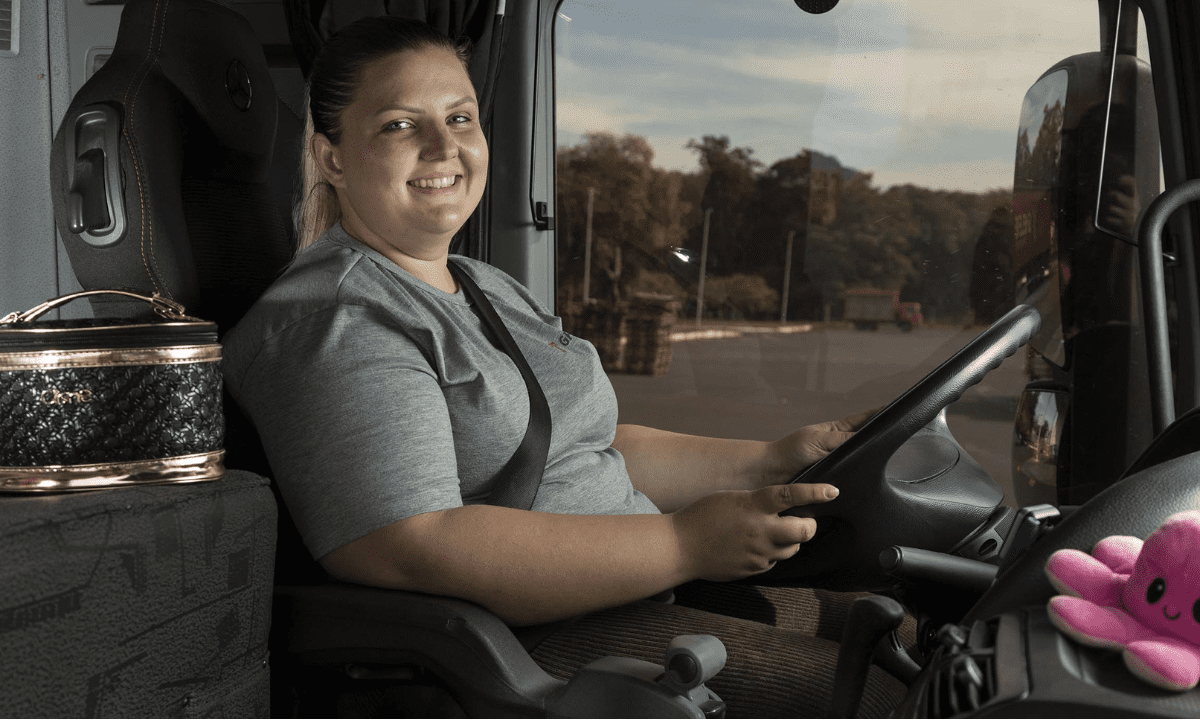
[[1163, 592]]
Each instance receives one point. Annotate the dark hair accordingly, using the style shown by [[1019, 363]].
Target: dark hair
[[338, 66], [332, 83]]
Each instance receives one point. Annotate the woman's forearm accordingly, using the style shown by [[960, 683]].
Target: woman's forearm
[[530, 567], [674, 470], [527, 567]]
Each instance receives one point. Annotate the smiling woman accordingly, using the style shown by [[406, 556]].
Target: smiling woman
[[406, 159], [393, 408]]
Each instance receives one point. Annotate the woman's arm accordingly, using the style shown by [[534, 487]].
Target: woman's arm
[[530, 567], [674, 470]]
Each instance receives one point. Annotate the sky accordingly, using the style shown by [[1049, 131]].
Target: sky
[[926, 92]]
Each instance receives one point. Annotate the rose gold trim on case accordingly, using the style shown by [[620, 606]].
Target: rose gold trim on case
[[199, 467], [47, 333], [113, 357]]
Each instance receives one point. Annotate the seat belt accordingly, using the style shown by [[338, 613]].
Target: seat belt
[[518, 482]]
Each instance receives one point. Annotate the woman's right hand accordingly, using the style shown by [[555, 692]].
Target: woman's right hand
[[733, 534]]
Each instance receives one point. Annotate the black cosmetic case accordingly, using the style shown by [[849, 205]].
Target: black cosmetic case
[[109, 402]]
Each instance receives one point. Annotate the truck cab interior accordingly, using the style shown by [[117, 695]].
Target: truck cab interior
[[155, 146]]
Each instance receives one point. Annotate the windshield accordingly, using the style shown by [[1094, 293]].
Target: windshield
[[768, 218]]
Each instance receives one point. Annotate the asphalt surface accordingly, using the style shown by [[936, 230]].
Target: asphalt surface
[[764, 384]]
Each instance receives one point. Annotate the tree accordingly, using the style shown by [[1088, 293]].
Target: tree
[[740, 296], [848, 232], [1047, 150], [780, 206], [730, 187], [638, 211], [993, 289]]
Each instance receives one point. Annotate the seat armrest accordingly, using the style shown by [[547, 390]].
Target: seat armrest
[[468, 647]]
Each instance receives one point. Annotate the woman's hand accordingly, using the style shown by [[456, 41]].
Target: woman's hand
[[676, 470], [732, 534], [809, 444]]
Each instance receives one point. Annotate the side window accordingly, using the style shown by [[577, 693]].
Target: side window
[[768, 218]]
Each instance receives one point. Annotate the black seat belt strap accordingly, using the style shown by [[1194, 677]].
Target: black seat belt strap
[[518, 482]]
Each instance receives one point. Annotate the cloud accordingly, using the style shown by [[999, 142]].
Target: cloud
[[597, 113], [965, 176], [924, 92]]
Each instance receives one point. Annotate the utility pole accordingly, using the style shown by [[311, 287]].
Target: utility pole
[[703, 267], [787, 276], [587, 250]]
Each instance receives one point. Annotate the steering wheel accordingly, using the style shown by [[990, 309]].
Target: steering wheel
[[897, 489]]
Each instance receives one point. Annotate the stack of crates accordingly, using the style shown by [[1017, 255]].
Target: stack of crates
[[601, 324], [630, 337], [648, 327]]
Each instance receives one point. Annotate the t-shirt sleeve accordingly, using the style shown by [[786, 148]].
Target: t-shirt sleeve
[[354, 424]]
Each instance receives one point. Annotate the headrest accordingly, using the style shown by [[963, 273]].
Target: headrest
[[162, 164]]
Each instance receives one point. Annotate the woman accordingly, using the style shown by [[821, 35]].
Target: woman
[[387, 412]]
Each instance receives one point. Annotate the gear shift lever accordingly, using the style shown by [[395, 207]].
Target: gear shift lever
[[869, 620]]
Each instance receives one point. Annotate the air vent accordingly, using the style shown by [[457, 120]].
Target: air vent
[[10, 27], [965, 678], [964, 685]]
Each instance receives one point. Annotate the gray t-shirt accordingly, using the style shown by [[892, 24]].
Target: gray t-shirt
[[378, 397]]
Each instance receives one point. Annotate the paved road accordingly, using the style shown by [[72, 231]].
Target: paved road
[[763, 386]]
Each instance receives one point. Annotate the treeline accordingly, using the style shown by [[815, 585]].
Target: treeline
[[846, 233]]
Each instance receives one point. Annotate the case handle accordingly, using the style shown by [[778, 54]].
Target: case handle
[[163, 306]]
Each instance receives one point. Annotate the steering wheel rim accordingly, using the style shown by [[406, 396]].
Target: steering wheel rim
[[874, 512]]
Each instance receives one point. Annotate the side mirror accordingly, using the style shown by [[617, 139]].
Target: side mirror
[[1037, 436], [1087, 163]]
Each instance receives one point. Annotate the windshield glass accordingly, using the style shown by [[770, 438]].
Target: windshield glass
[[768, 218]]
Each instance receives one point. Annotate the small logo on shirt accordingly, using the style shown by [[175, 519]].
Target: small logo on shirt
[[563, 341]]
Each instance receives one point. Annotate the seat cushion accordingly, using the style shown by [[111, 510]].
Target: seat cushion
[[151, 601]]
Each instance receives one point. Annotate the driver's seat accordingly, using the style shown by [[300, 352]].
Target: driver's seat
[[185, 111], [173, 173]]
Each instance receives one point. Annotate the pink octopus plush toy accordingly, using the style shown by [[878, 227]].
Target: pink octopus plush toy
[[1139, 597]]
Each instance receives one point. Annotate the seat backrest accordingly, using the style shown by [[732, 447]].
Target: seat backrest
[[174, 167], [174, 172]]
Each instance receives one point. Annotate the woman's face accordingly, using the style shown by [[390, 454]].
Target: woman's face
[[412, 161]]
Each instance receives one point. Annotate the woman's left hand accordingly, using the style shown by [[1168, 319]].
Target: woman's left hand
[[675, 470], [809, 444]]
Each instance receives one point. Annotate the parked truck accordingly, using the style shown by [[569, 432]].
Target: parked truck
[[867, 307]]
